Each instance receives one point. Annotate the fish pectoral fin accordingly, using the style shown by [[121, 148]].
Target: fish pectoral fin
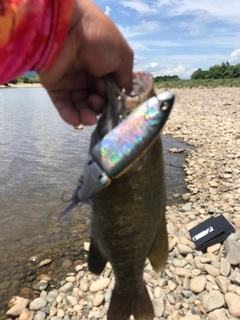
[[96, 261], [158, 254], [122, 306]]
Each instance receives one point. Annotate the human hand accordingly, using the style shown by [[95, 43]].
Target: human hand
[[93, 48]]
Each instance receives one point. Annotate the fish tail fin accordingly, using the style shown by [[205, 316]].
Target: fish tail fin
[[122, 306], [96, 261], [158, 254]]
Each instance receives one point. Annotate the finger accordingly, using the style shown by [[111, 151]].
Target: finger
[[123, 75], [88, 116], [96, 103]]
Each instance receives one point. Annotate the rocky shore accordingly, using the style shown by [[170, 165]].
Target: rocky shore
[[195, 285], [22, 85]]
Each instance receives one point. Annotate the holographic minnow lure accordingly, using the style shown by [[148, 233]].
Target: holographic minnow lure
[[123, 146]]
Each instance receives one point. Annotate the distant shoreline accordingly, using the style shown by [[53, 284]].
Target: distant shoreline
[[22, 85]]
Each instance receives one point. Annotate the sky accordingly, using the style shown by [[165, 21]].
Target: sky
[[176, 37]]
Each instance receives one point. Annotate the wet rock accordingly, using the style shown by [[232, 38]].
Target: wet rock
[[41, 285], [66, 264], [17, 308], [44, 262]]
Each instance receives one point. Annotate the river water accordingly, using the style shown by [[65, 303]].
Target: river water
[[41, 157]]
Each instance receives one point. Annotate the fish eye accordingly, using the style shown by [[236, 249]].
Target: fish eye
[[165, 106]]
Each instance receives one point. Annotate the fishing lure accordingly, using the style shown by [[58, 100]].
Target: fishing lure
[[123, 146]]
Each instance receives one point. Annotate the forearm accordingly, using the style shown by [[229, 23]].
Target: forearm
[[31, 34]]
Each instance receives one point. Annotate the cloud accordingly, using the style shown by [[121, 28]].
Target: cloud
[[204, 9], [226, 10], [156, 70], [235, 56], [171, 71], [107, 11], [139, 30], [140, 6]]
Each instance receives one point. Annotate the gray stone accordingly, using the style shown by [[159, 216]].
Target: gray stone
[[66, 287], [232, 249], [40, 316], [235, 277], [234, 236], [179, 263], [213, 300], [41, 285], [108, 294], [225, 267], [37, 304], [187, 207], [71, 301]]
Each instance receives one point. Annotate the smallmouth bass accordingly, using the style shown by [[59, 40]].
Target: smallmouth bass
[[128, 221]]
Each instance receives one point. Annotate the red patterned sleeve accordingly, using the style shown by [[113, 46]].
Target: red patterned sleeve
[[31, 34]]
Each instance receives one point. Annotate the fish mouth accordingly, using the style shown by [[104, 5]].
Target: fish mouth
[[143, 89]]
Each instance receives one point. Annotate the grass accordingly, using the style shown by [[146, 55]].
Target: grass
[[206, 83]]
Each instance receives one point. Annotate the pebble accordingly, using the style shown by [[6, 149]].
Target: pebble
[[18, 307], [233, 303], [99, 285], [98, 299], [232, 248], [39, 316], [37, 304], [198, 284], [158, 306], [184, 249], [213, 300], [66, 287]]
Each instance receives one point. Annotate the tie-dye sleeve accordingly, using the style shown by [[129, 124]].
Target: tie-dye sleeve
[[31, 34]]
